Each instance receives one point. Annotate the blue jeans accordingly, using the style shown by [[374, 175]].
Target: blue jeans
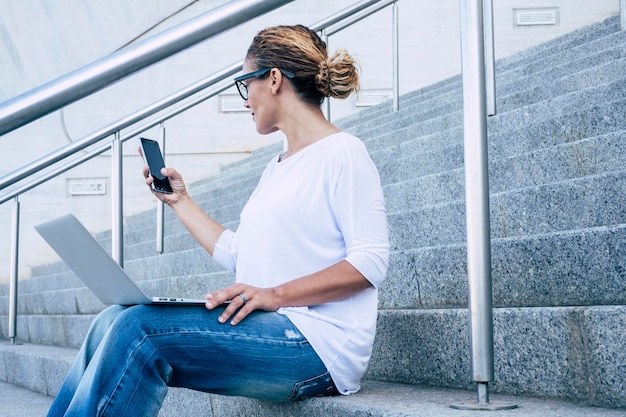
[[132, 354]]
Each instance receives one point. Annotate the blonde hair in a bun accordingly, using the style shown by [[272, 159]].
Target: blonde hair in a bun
[[302, 52], [338, 76]]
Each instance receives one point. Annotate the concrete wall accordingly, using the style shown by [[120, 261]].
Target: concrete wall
[[42, 39]]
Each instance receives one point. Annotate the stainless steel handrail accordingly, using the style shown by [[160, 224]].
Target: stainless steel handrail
[[174, 110], [81, 83], [110, 129]]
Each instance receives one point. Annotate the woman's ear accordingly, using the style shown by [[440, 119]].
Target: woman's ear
[[277, 78]]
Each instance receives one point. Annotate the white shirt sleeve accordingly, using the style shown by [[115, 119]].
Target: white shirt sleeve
[[360, 209], [226, 250]]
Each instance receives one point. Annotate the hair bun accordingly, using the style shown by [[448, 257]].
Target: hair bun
[[338, 75]]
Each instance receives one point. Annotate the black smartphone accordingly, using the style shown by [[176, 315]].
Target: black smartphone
[[154, 158]]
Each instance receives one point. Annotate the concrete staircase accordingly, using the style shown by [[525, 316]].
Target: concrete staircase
[[558, 213]]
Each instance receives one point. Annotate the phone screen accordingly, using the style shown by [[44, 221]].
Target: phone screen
[[154, 159]]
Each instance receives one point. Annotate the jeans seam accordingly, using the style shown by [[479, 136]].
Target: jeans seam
[[101, 410], [300, 342]]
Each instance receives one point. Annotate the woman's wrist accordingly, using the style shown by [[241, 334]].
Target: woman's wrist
[[178, 202]]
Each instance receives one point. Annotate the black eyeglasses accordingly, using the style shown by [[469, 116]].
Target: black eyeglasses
[[243, 87]]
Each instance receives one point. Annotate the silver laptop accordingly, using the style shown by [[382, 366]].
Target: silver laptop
[[95, 267]]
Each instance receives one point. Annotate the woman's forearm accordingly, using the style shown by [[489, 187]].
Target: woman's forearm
[[334, 283], [201, 226]]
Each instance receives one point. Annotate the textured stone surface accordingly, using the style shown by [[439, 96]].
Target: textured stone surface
[[556, 352]]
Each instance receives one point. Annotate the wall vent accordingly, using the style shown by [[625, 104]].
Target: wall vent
[[536, 17], [86, 186], [369, 98], [231, 103]]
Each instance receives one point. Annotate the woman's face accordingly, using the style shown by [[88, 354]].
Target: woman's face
[[261, 102]]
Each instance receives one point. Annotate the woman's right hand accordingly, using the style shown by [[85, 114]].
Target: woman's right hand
[[179, 190]]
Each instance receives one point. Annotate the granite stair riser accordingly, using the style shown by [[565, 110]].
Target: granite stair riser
[[518, 93], [582, 124], [553, 47], [571, 160], [63, 330], [518, 89], [572, 205], [546, 200], [583, 155], [569, 205], [597, 75], [217, 198], [216, 193], [557, 269], [570, 353], [508, 70], [573, 353]]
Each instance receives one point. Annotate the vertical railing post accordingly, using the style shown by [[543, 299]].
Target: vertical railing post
[[325, 37], [490, 60], [160, 212], [622, 14], [15, 243], [396, 57], [477, 204], [117, 193]]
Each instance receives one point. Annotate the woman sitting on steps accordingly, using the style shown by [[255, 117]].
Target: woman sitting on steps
[[310, 252]]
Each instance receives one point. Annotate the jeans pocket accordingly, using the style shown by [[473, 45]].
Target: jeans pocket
[[318, 386]]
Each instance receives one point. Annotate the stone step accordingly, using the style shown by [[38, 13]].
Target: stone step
[[522, 87], [21, 402], [418, 162], [573, 353], [554, 269], [566, 42], [560, 65], [250, 180], [569, 205], [404, 173], [545, 87], [77, 299], [571, 47], [568, 353], [606, 67], [569, 160], [400, 128], [568, 267], [376, 399]]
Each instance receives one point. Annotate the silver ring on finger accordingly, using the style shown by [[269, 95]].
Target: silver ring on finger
[[243, 298]]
